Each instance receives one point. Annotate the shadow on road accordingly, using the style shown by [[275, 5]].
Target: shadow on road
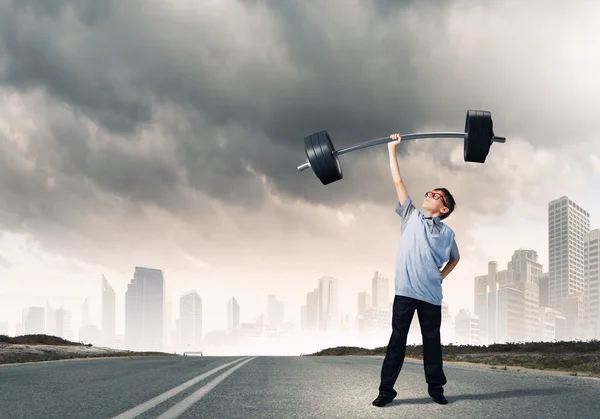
[[484, 396]]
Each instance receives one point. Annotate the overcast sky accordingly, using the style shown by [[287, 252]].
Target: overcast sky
[[167, 135]]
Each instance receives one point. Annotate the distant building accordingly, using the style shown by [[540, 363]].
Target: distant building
[[328, 304], [108, 323], [144, 310], [64, 327], [34, 321], [466, 328], [568, 223], [233, 314], [592, 280], [190, 321]]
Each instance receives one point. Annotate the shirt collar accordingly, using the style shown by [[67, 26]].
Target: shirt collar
[[432, 220]]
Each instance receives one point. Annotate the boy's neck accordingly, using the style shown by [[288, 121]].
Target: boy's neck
[[430, 214]]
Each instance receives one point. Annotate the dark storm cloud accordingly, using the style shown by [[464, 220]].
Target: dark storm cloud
[[244, 89], [116, 72]]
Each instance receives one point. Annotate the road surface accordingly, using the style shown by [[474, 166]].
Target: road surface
[[279, 388]]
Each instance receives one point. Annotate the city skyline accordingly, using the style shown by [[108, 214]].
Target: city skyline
[[524, 279], [95, 300]]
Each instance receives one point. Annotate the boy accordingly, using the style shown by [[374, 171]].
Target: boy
[[427, 244]]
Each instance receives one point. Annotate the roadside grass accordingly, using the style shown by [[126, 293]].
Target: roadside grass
[[568, 356]]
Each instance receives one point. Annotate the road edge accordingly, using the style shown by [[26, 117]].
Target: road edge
[[498, 367]]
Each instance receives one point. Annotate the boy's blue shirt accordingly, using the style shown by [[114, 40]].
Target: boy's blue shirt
[[426, 245]]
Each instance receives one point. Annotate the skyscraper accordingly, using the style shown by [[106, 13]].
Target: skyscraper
[[363, 301], [108, 313], [328, 304], [381, 290], [85, 313], [275, 312], [144, 310], [34, 321], [527, 270], [466, 328], [50, 320], [568, 223], [502, 296], [190, 321], [592, 281], [233, 314], [64, 327], [312, 310]]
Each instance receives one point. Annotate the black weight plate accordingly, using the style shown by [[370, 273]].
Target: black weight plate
[[309, 148], [327, 158], [317, 151], [477, 143]]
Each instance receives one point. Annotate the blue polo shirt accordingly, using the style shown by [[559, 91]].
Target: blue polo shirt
[[426, 244]]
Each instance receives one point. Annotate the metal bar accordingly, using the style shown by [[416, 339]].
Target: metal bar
[[404, 137], [303, 166], [384, 140]]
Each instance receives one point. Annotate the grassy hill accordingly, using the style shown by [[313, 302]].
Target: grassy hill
[[574, 356], [39, 340]]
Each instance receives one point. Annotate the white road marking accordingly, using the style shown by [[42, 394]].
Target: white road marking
[[139, 409], [176, 411]]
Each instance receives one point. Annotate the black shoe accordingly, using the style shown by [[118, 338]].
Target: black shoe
[[384, 399], [440, 399]]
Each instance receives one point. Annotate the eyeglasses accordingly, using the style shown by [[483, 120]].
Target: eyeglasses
[[436, 196]]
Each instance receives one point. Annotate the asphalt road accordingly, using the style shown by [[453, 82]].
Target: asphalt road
[[279, 388]]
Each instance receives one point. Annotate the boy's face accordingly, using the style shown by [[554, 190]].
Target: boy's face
[[434, 203]]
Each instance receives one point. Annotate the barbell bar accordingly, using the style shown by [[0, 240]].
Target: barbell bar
[[322, 158]]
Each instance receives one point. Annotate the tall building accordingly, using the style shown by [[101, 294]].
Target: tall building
[[466, 328], [312, 311], [275, 312], [483, 283], [34, 321], [85, 313], [50, 320], [328, 304], [363, 301], [518, 284], [108, 325], [526, 271], [381, 291], [233, 314], [504, 316], [190, 321], [544, 289], [64, 328], [568, 223], [144, 310], [592, 281]]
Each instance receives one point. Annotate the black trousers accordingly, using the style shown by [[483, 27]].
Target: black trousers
[[430, 320]]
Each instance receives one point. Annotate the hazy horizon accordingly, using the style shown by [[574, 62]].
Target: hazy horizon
[[168, 136]]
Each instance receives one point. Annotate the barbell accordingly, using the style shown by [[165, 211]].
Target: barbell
[[322, 158]]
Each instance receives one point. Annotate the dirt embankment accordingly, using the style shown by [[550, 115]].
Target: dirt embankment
[[36, 348], [573, 357]]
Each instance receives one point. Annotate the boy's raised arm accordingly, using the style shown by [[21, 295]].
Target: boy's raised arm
[[398, 183]]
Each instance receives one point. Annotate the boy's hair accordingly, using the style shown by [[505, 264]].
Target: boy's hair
[[450, 202]]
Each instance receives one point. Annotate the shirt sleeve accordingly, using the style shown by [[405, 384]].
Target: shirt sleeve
[[454, 251], [405, 209]]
